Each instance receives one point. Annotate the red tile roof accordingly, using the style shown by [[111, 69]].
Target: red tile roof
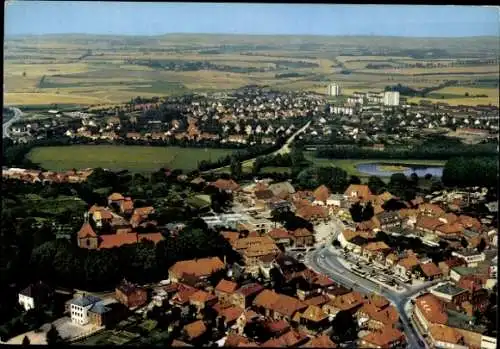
[[430, 269], [231, 314], [226, 286], [86, 231], [155, 237], [384, 338], [117, 240], [321, 193], [199, 267], [195, 329], [279, 234], [322, 341], [432, 309]]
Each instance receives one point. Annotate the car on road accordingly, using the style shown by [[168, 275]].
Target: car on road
[[421, 343], [322, 256]]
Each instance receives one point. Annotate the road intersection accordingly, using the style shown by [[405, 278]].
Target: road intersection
[[328, 260]]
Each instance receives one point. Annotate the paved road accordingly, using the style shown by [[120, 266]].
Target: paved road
[[326, 261], [17, 115], [283, 150]]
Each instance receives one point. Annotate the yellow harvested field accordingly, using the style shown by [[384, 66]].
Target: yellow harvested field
[[459, 101], [17, 98], [461, 90], [367, 58], [484, 69]]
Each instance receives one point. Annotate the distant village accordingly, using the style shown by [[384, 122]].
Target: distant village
[[254, 116]]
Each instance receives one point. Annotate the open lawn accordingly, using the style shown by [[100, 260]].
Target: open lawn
[[132, 158]]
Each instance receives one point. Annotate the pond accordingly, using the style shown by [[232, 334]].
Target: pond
[[388, 169]]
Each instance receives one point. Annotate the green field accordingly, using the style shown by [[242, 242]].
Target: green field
[[349, 165], [132, 158]]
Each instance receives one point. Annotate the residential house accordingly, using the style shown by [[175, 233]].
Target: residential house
[[427, 224], [230, 315], [431, 210], [375, 251], [376, 317], [389, 219], [293, 338], [202, 299], [350, 302], [387, 338], [227, 185], [442, 336], [450, 293], [225, 290], [199, 268], [245, 295], [302, 237], [34, 296], [471, 257], [131, 295], [88, 309], [430, 271], [429, 310], [313, 320], [447, 264], [101, 216], [407, 265], [115, 198], [313, 213], [194, 330], [321, 195], [127, 206], [358, 192], [278, 306], [281, 236]]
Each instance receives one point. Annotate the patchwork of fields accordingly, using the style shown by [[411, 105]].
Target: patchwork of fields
[[132, 158], [108, 70]]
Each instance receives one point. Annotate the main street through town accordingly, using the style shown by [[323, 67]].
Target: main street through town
[[327, 260], [285, 149], [6, 125]]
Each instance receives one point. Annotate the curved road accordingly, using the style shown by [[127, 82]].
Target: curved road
[[326, 261], [6, 125], [283, 150]]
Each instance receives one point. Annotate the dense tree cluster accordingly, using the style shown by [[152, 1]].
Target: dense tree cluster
[[468, 172], [334, 178], [426, 151]]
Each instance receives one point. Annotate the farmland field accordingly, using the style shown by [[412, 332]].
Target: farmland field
[[132, 158], [90, 70]]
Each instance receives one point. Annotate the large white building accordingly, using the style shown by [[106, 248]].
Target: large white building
[[391, 98], [334, 90]]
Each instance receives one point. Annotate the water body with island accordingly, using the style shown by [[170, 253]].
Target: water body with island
[[387, 169]]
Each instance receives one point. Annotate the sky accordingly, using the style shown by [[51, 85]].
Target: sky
[[155, 18]]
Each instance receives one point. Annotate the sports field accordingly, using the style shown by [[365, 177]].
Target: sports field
[[132, 158]]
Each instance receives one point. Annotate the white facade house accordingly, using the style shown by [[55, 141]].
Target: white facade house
[[391, 98], [471, 257], [334, 90], [79, 308], [488, 342], [26, 302], [33, 296]]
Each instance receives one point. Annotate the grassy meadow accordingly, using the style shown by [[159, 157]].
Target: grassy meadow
[[132, 158], [92, 70]]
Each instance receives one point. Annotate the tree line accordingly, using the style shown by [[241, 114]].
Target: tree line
[[428, 152]]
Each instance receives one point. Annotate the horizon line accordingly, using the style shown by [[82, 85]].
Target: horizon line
[[249, 34]]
